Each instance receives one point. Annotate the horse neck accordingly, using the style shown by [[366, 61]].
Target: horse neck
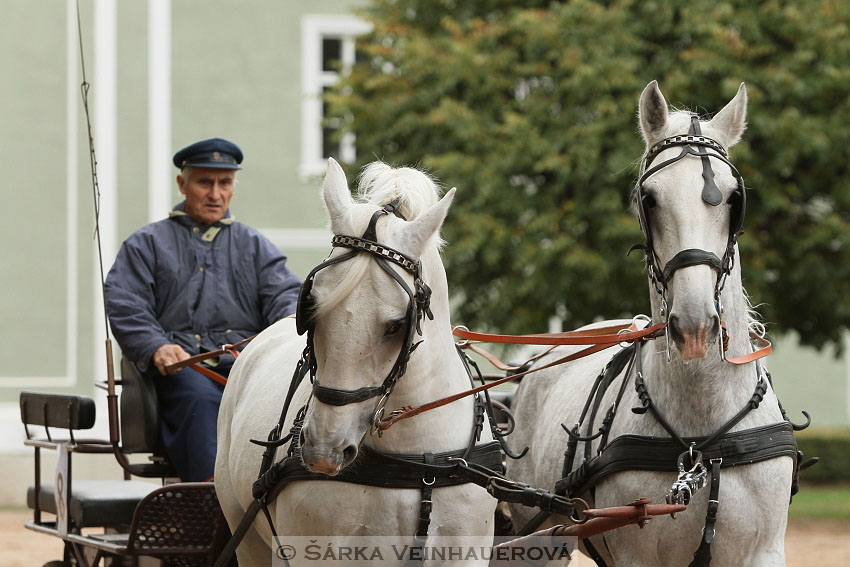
[[700, 395], [434, 371]]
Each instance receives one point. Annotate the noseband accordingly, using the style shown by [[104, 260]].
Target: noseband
[[417, 308], [695, 144]]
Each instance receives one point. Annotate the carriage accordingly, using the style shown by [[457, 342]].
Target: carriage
[[381, 465]]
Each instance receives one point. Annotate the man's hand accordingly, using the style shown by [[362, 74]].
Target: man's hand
[[166, 355]]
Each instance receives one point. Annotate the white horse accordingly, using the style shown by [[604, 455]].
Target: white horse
[[688, 381], [360, 323]]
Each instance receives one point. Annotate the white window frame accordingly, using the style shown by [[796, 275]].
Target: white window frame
[[315, 28]]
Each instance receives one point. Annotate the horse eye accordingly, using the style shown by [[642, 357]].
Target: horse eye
[[394, 328], [649, 201]]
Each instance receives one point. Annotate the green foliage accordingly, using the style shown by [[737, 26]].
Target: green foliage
[[529, 107], [821, 502], [832, 447]]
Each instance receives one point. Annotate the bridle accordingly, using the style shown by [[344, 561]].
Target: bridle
[[711, 195], [418, 307]]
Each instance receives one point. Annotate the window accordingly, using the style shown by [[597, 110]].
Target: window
[[327, 48]]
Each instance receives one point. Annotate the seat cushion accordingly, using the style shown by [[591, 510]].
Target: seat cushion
[[96, 503]]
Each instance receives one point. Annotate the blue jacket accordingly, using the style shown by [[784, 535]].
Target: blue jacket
[[177, 281]]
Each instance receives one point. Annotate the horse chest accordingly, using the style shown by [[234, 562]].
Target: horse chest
[[751, 519], [357, 510]]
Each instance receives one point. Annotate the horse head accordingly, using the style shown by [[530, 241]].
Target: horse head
[[368, 305], [690, 200]]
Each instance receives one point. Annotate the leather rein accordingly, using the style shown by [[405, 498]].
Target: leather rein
[[595, 340]]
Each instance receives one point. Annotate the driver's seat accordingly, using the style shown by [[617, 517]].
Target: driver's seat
[[139, 419]]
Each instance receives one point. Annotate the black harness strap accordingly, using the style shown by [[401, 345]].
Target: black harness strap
[[603, 381], [702, 556], [638, 452], [420, 538], [710, 193], [691, 257], [594, 553], [647, 453]]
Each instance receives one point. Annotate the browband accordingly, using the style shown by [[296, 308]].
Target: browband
[[377, 249]]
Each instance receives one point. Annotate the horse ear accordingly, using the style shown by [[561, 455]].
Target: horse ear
[[424, 227], [336, 194], [652, 113], [732, 120]]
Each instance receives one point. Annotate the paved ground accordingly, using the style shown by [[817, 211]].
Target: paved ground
[[821, 543]]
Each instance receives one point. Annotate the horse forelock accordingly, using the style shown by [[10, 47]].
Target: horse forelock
[[378, 185], [381, 184]]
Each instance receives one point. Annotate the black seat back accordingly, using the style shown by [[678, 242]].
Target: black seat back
[[57, 410], [139, 412]]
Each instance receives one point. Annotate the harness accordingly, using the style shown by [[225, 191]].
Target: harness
[[477, 463], [711, 195], [417, 308], [685, 455]]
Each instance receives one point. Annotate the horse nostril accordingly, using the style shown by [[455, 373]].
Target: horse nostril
[[715, 327], [673, 329], [348, 454]]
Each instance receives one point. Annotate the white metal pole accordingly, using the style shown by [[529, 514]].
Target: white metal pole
[[160, 180]]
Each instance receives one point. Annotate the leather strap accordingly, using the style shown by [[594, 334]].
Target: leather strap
[[765, 350], [598, 339], [212, 375], [603, 335], [225, 349], [691, 257], [410, 411], [420, 538], [492, 359], [637, 452], [702, 556]]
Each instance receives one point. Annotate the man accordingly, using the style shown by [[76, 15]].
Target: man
[[189, 284]]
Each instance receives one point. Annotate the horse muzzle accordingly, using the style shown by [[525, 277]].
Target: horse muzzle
[[692, 336], [324, 460]]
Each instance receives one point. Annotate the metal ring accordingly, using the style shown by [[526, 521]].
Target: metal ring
[[426, 483], [462, 342], [586, 506], [623, 344], [458, 459], [378, 416]]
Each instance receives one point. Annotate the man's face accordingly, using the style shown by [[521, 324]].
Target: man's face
[[208, 193]]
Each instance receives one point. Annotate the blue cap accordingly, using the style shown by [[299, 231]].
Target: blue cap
[[214, 153]]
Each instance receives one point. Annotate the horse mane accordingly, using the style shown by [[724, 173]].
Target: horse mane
[[380, 184]]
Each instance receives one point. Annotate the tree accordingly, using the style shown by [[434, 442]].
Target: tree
[[529, 107]]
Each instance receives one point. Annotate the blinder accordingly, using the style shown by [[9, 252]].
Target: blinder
[[418, 307]]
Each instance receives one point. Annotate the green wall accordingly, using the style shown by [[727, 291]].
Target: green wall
[[236, 68]]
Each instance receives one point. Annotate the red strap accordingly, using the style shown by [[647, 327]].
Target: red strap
[[225, 349], [604, 335], [765, 350], [410, 411], [214, 376], [599, 339]]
